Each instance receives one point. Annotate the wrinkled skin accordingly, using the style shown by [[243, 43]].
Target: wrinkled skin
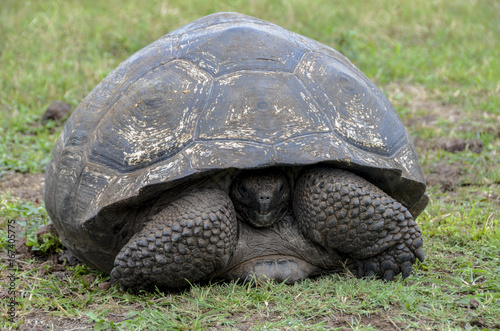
[[265, 227], [261, 198]]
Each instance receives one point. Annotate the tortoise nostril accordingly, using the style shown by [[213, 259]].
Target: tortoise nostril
[[264, 198]]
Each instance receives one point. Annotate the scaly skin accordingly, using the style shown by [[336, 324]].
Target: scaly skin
[[261, 197], [195, 237], [345, 213], [189, 240]]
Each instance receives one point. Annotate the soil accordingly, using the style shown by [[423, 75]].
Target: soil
[[38, 320], [423, 112], [22, 186], [56, 111], [446, 176], [459, 145], [338, 321]]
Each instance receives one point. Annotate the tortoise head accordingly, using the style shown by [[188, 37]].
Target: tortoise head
[[261, 197]]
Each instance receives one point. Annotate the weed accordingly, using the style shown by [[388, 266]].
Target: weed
[[47, 244]]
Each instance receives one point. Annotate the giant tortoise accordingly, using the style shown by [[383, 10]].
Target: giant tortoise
[[232, 148]]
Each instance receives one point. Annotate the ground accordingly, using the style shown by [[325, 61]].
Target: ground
[[23, 186]]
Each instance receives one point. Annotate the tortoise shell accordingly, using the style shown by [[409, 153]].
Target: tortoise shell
[[226, 91]]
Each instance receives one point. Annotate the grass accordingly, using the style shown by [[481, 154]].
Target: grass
[[438, 61]]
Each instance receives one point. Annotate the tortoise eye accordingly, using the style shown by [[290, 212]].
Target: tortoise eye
[[243, 191]]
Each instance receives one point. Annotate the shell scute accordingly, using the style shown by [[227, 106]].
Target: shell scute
[[154, 120], [230, 47], [360, 114], [270, 110]]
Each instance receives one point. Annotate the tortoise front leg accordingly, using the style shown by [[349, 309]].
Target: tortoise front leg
[[346, 213], [189, 240]]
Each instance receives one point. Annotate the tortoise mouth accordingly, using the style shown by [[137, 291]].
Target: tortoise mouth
[[261, 220]]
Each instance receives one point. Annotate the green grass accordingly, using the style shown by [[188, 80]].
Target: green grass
[[439, 63]]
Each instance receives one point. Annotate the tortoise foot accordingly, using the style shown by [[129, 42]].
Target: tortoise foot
[[190, 240], [394, 261], [346, 214]]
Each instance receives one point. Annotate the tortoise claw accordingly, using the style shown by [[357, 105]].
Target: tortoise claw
[[419, 253], [389, 264], [406, 268], [359, 269], [389, 275]]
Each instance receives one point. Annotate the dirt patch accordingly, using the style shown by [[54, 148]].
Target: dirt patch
[[56, 111], [495, 198], [440, 126], [26, 187], [55, 258], [458, 145], [452, 145], [39, 320], [341, 321], [423, 108], [446, 176], [334, 320]]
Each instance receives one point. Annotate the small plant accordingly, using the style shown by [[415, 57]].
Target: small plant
[[46, 244]]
